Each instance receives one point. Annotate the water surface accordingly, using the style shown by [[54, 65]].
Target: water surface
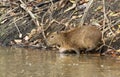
[[20, 62]]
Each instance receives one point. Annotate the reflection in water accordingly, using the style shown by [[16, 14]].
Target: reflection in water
[[17, 62]]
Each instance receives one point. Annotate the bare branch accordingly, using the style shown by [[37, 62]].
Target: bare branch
[[23, 5], [85, 13]]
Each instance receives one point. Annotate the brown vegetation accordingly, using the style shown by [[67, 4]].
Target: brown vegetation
[[27, 22]]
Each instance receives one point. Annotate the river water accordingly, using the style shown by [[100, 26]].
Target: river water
[[20, 62]]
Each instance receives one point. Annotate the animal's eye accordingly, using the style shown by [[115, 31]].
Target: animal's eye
[[52, 36]]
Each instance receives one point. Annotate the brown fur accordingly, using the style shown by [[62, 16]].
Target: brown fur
[[86, 37]]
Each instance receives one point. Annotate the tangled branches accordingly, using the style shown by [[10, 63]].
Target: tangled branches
[[28, 22]]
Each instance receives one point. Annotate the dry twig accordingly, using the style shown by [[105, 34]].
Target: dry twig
[[85, 13], [30, 13]]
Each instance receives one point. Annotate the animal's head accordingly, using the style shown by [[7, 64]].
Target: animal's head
[[54, 39]]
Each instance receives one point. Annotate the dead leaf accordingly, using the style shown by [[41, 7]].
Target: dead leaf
[[118, 50], [113, 14], [119, 26], [26, 38], [98, 8], [118, 31], [18, 41], [72, 1], [32, 33]]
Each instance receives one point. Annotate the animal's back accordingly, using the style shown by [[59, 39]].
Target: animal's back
[[84, 37]]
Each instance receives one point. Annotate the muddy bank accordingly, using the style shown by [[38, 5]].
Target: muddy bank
[[27, 23]]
